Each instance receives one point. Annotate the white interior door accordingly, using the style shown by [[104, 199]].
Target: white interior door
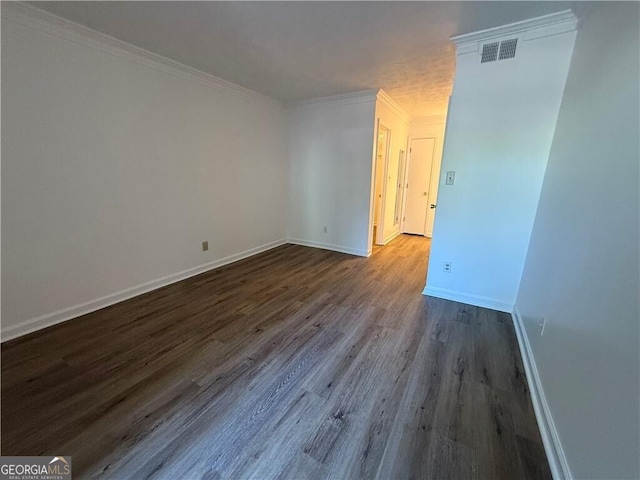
[[378, 186], [417, 185], [382, 157]]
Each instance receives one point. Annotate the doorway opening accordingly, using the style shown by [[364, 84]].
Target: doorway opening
[[405, 171]]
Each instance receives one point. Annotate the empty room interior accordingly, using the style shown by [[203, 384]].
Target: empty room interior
[[309, 240]]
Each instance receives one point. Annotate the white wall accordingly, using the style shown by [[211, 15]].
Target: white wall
[[331, 145], [501, 121], [431, 127], [582, 269], [389, 114], [115, 168]]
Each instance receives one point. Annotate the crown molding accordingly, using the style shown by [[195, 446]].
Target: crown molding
[[390, 103], [531, 29], [341, 99], [46, 22]]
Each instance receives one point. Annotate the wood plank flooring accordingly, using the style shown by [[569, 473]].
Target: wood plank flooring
[[297, 363]]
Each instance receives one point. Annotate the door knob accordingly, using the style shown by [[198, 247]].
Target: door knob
[[433, 205], [424, 193]]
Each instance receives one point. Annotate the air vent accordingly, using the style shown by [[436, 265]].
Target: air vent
[[499, 50], [508, 49], [489, 52]]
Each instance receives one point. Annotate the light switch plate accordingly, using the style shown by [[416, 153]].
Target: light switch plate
[[451, 177]]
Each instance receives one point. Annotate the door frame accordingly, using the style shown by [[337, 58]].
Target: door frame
[[409, 159]]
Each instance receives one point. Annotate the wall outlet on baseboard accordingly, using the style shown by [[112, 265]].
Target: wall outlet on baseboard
[[446, 267], [205, 246], [542, 324]]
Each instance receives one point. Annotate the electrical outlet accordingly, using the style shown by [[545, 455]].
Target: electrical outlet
[[542, 324], [446, 268], [205, 246], [325, 229]]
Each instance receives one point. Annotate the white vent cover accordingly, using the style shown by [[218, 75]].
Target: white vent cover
[[490, 52], [499, 50]]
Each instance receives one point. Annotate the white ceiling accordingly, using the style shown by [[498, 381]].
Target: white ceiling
[[299, 50]]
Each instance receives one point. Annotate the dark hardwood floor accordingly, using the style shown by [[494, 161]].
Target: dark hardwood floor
[[297, 363]]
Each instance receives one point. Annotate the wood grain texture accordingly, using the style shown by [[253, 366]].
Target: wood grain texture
[[295, 363]]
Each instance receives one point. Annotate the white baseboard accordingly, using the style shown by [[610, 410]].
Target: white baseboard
[[47, 320], [391, 237], [550, 438], [468, 298], [328, 246]]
